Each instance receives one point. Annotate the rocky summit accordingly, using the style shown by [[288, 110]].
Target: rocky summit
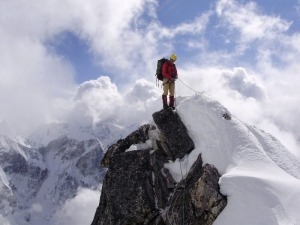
[[139, 189]]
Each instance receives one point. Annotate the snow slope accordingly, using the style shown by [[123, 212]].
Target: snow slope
[[258, 174]]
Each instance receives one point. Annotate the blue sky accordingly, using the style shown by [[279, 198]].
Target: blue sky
[[72, 48], [64, 59], [76, 50], [171, 13]]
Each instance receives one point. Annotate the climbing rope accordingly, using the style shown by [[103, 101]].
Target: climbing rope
[[188, 86], [184, 190], [198, 92], [175, 97], [225, 115], [182, 195], [157, 82]]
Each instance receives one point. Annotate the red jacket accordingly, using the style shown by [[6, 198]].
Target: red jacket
[[169, 70]]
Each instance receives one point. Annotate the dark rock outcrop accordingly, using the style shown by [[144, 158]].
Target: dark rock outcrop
[[196, 199], [163, 181], [128, 197], [171, 126], [136, 137], [138, 189]]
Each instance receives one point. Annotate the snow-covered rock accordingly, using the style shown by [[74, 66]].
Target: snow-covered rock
[[34, 183]]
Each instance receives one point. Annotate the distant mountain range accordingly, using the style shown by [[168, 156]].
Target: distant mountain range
[[39, 174]]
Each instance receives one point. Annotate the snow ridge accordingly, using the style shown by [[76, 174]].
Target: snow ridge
[[259, 175]]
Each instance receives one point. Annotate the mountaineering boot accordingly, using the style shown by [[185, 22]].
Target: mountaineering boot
[[165, 101], [171, 103]]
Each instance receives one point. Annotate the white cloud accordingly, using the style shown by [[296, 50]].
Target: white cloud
[[31, 81], [140, 101], [79, 210], [246, 85], [36, 207], [287, 137], [297, 7], [36, 86], [6, 209], [4, 221], [95, 100], [246, 22], [251, 23], [100, 100], [142, 91], [194, 28]]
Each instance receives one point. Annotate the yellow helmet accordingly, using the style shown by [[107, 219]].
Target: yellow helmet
[[173, 57]]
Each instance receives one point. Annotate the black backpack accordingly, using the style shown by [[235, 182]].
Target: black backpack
[[160, 63]]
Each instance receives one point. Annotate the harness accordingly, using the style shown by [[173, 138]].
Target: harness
[[170, 81]]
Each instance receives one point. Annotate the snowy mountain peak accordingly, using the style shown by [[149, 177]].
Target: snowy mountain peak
[[106, 132], [46, 133], [45, 178], [10, 146], [6, 130]]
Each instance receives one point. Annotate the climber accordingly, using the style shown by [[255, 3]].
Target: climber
[[169, 72]]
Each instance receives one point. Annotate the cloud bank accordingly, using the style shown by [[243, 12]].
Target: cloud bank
[[239, 52], [100, 100], [79, 210]]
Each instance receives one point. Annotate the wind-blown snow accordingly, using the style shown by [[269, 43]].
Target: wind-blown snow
[[259, 176], [7, 131]]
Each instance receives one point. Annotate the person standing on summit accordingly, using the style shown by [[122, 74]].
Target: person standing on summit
[[169, 73]]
